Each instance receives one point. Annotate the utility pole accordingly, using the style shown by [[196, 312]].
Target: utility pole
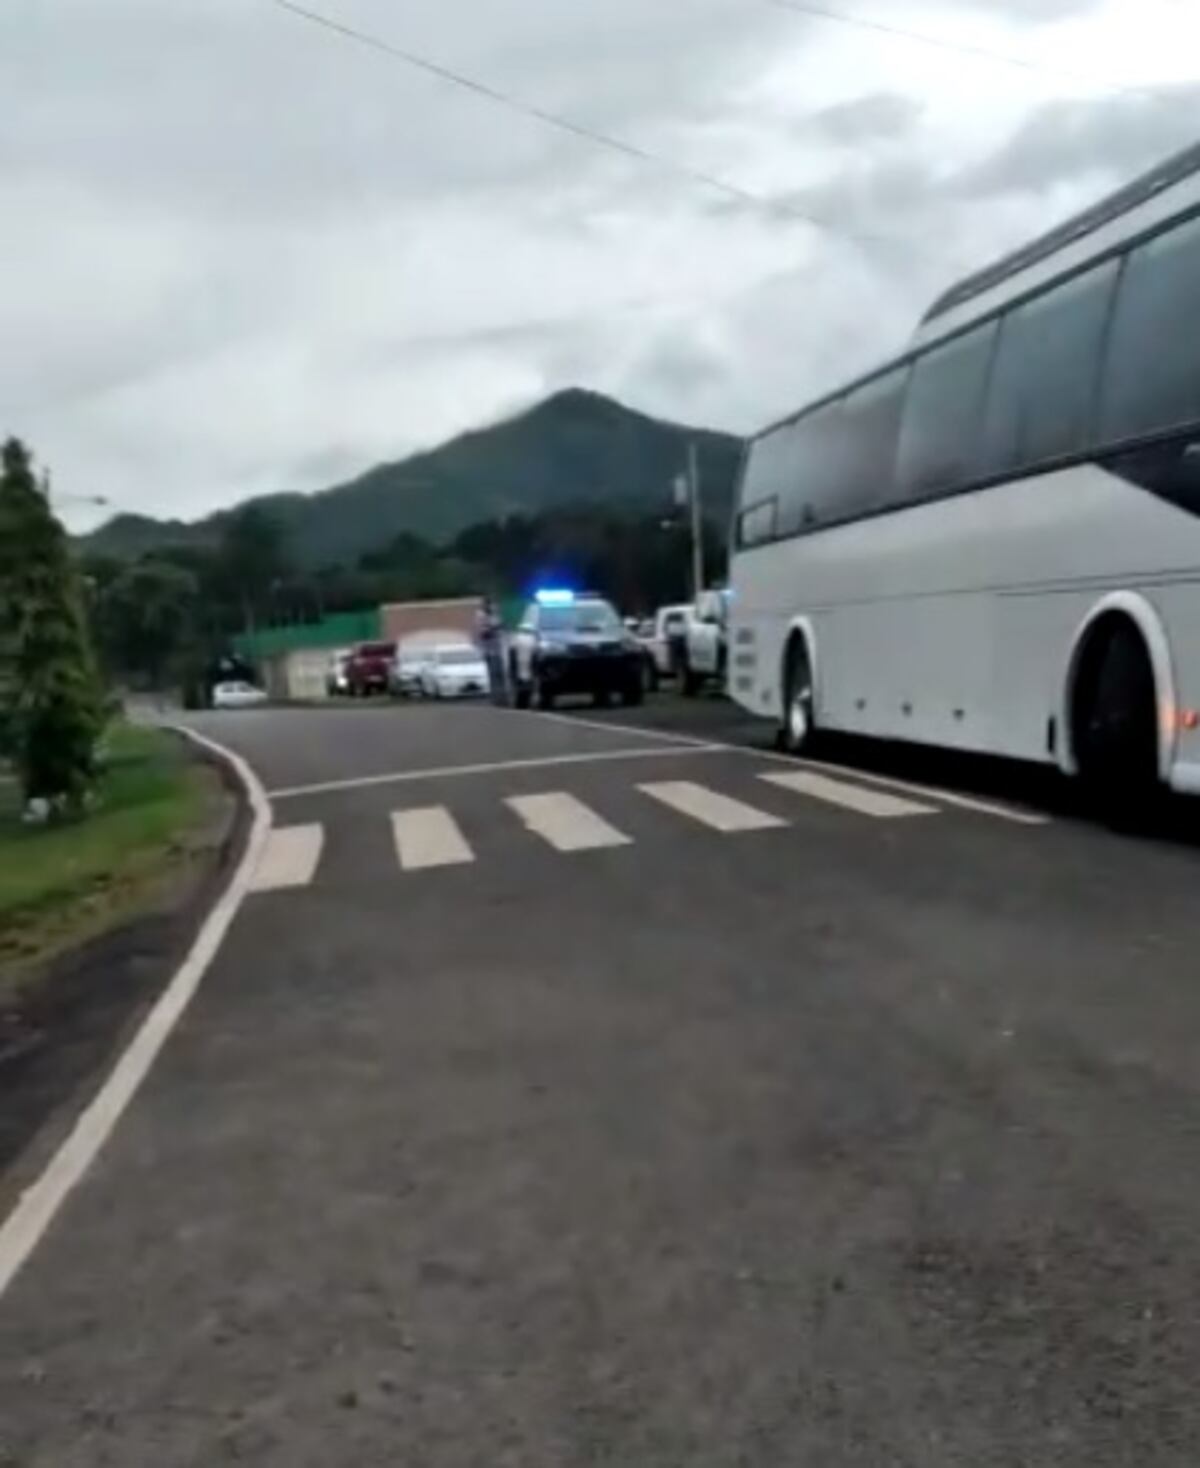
[[693, 477]]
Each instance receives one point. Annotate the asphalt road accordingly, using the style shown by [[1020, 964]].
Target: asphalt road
[[863, 1133]]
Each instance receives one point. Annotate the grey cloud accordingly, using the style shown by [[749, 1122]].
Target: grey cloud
[[1117, 137], [244, 254], [250, 109], [869, 189], [881, 114]]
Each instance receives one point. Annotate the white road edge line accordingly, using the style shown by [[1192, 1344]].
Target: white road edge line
[[38, 1205], [682, 741], [445, 772]]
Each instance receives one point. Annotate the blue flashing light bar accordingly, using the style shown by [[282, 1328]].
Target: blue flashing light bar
[[554, 597]]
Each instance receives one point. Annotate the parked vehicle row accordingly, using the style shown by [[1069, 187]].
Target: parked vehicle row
[[412, 669], [566, 643]]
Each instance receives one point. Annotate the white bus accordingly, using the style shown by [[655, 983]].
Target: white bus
[[993, 542]]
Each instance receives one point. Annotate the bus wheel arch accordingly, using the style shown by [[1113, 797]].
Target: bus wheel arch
[[798, 690], [1117, 714]]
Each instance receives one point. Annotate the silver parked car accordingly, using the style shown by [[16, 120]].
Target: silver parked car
[[404, 676]]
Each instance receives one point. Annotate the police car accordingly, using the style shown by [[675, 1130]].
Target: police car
[[570, 642]]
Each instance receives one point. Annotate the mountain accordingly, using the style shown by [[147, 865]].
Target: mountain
[[574, 447]]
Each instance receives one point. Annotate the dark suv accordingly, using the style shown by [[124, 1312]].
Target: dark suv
[[574, 644]]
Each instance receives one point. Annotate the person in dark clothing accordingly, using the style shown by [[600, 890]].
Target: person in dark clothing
[[490, 635]]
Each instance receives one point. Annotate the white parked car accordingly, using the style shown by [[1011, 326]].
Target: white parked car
[[455, 671], [237, 695]]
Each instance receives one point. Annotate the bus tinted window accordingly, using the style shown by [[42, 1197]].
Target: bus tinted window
[[1152, 375], [1040, 400], [939, 435], [872, 422], [816, 481], [757, 524], [768, 465], [1169, 468]]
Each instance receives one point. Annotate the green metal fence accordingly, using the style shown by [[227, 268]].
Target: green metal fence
[[341, 629]]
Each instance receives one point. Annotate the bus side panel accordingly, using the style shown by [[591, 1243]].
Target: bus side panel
[[951, 622]]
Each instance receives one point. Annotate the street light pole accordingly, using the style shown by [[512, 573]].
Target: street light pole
[[697, 520], [51, 493]]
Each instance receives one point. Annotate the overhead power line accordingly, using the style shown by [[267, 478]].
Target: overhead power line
[[943, 43], [580, 130]]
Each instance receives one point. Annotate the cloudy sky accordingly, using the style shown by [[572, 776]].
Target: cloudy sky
[[241, 253]]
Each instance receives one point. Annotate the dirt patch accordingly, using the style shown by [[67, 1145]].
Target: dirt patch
[[65, 1023]]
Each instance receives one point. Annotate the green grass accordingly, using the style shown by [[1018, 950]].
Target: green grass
[[62, 882]]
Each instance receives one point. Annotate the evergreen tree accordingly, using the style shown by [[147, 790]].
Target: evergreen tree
[[50, 705]]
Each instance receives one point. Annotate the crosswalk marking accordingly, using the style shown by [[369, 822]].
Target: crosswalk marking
[[720, 812], [875, 803], [289, 858], [429, 837], [1016, 814], [566, 823]]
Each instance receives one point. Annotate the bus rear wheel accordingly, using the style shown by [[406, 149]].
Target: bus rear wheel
[[798, 727], [1116, 725]]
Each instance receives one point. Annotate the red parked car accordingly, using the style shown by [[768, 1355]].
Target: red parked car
[[368, 667]]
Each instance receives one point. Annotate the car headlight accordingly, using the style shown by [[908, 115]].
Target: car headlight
[[554, 648]]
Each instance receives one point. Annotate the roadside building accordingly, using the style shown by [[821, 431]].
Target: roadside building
[[294, 662], [452, 621]]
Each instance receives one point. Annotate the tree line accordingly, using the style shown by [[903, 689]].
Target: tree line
[[52, 708], [166, 617]]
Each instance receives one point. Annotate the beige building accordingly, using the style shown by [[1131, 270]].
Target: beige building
[[456, 619], [298, 674]]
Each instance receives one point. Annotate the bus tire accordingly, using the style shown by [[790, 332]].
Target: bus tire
[[799, 725], [1115, 724]]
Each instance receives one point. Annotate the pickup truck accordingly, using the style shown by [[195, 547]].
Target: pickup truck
[[664, 639], [706, 642], [368, 668]]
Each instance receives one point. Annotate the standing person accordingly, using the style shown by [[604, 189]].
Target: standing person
[[490, 633]]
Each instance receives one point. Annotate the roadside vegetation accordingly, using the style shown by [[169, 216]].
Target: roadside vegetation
[[92, 811], [64, 881]]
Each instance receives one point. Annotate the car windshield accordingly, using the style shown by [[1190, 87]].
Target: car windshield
[[454, 657], [584, 616]]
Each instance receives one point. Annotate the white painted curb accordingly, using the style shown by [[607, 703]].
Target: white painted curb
[[38, 1205]]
